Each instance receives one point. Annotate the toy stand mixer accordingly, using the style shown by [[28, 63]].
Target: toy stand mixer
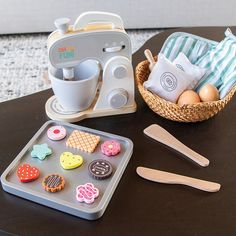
[[99, 37]]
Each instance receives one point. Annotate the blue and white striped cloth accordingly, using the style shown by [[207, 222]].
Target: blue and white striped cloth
[[218, 58]]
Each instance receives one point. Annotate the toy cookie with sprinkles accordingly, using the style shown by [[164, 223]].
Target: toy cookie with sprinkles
[[56, 133], [53, 183], [27, 173], [110, 148], [100, 169], [70, 161]]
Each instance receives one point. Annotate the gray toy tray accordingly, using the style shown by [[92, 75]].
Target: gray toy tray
[[65, 200]]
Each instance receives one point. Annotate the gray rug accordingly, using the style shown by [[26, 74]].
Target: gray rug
[[23, 62]]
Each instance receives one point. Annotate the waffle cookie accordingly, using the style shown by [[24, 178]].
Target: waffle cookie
[[53, 183], [83, 141]]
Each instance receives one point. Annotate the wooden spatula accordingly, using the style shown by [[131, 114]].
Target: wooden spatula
[[161, 135]]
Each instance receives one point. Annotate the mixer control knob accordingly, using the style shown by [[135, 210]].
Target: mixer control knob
[[62, 25], [120, 72], [118, 98]]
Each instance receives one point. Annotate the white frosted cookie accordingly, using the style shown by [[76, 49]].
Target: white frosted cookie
[[56, 132]]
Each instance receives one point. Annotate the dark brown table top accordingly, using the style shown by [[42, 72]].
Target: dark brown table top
[[138, 207]]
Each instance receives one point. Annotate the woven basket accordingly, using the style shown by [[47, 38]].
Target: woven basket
[[187, 113]]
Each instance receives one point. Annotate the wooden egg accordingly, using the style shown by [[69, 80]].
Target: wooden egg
[[209, 93], [188, 97]]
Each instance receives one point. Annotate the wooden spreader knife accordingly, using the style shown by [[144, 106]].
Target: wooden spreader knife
[[171, 178]]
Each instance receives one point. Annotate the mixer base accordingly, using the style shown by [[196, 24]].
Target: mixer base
[[56, 112]]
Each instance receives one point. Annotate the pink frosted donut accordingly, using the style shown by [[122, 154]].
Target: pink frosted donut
[[56, 132], [110, 148]]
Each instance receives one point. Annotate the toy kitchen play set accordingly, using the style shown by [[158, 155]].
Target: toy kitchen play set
[[91, 71], [72, 168]]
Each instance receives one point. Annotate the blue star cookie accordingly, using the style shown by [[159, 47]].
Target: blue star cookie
[[40, 151]]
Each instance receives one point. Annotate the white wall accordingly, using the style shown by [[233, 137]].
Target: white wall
[[20, 16]]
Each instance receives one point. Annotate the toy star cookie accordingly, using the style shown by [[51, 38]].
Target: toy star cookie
[[40, 151], [69, 161]]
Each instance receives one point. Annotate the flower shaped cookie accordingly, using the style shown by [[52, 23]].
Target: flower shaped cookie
[[110, 148], [86, 193], [40, 151]]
